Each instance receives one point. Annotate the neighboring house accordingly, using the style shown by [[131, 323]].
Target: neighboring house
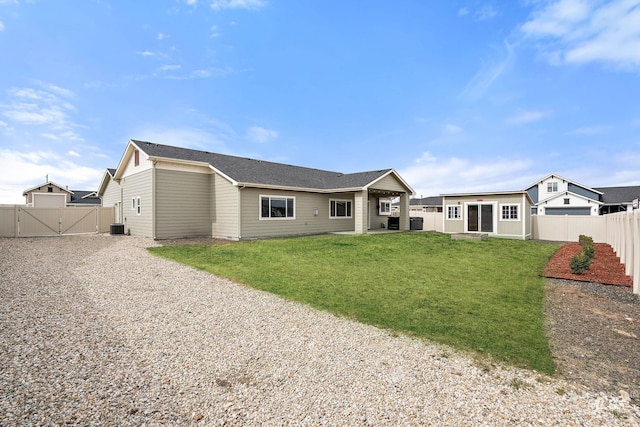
[[163, 192], [499, 214], [52, 195], [425, 204], [618, 199], [555, 195]]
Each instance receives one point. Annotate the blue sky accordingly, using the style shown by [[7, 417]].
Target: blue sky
[[457, 96]]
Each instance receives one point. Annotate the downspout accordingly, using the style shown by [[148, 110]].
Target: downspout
[[153, 201]]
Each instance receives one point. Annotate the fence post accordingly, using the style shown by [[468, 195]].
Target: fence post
[[635, 216]]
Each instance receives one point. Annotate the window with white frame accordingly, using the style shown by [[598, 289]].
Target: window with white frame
[[552, 187], [510, 212], [277, 207], [340, 209], [567, 201], [454, 212], [384, 207], [133, 203], [138, 206]]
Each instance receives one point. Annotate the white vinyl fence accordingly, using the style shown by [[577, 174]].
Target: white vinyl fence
[[623, 234], [22, 221]]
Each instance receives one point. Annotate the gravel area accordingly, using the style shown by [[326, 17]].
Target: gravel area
[[594, 331], [95, 331]]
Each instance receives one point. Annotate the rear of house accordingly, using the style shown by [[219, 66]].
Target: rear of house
[[502, 214], [167, 192]]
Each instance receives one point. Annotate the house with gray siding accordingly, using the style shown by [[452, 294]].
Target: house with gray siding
[[555, 195], [163, 192]]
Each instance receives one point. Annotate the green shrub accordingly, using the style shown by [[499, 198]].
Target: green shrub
[[587, 245], [585, 240], [580, 262], [589, 250]]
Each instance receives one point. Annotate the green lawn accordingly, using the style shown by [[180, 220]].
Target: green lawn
[[484, 296]]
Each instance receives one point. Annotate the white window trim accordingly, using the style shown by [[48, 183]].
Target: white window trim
[[280, 218], [380, 211], [138, 206], [550, 186], [341, 200], [459, 208], [518, 212], [133, 203]]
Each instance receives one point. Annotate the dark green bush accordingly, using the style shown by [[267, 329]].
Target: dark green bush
[[580, 262], [585, 240]]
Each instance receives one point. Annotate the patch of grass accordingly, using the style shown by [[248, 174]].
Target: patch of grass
[[484, 296]]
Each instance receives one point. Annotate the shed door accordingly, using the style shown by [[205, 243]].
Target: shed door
[[480, 218]]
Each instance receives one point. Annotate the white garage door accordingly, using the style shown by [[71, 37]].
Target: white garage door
[[46, 200]]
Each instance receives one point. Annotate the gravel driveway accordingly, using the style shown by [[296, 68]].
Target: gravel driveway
[[94, 330]]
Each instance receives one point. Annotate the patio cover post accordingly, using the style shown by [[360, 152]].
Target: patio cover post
[[360, 211], [404, 212]]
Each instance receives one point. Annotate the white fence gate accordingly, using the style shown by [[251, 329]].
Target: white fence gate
[[22, 221]]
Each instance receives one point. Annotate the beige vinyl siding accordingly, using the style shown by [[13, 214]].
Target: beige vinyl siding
[[376, 219], [519, 228], [224, 208], [111, 194], [182, 205], [388, 183], [138, 185], [453, 225], [305, 222], [112, 199]]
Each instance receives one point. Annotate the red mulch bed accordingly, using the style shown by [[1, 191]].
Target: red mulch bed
[[605, 267]]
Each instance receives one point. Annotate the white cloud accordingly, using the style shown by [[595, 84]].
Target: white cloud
[[213, 139], [523, 117], [451, 129], [214, 31], [261, 135], [589, 130], [463, 11], [488, 74], [161, 36], [168, 67], [237, 4], [1, 26], [49, 110], [73, 153], [22, 170], [581, 31], [431, 176], [485, 12]]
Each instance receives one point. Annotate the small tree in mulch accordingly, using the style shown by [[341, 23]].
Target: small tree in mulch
[[582, 260]]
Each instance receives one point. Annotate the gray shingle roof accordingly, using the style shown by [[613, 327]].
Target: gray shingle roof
[[84, 197], [427, 201], [251, 171], [613, 195]]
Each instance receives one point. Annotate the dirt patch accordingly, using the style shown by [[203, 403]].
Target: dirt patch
[[593, 322]]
